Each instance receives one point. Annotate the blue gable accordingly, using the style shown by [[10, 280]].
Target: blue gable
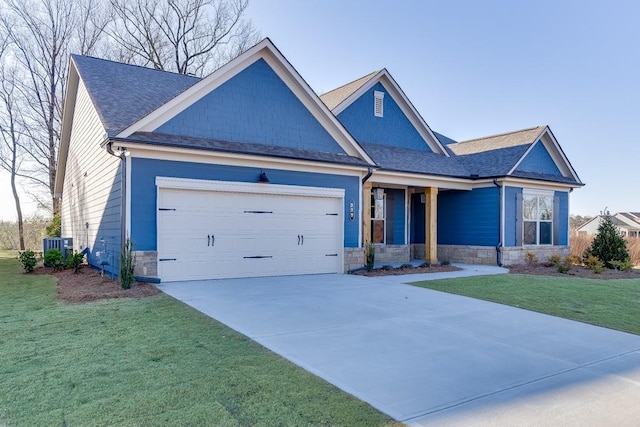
[[538, 160], [254, 106], [393, 129]]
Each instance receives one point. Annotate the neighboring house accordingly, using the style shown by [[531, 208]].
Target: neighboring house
[[627, 223], [247, 172]]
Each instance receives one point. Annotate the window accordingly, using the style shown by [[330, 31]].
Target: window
[[378, 216], [378, 106], [537, 212]]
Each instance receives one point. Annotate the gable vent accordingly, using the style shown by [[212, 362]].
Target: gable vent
[[378, 103]]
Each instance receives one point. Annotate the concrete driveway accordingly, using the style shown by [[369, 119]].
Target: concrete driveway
[[430, 358]]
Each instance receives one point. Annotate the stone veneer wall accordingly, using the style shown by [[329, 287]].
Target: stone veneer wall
[[146, 264], [518, 255], [487, 254], [353, 259], [392, 253]]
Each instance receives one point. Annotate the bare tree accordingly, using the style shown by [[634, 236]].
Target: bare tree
[[184, 36], [11, 150]]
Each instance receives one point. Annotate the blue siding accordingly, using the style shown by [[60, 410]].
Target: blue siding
[[395, 216], [394, 129], [417, 219], [469, 217], [539, 160], [143, 191], [563, 217], [109, 235], [510, 195], [254, 106]]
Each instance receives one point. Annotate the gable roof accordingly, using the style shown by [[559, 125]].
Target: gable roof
[[265, 50], [501, 154], [334, 97], [123, 93], [341, 98]]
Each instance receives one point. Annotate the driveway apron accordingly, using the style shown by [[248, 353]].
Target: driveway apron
[[426, 357]]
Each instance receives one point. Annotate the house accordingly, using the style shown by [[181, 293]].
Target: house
[[627, 223], [248, 172]]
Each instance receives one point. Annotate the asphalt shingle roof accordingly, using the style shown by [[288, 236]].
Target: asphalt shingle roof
[[494, 142], [123, 94], [334, 97], [183, 141], [416, 161]]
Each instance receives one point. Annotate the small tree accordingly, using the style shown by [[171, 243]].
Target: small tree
[[608, 244]]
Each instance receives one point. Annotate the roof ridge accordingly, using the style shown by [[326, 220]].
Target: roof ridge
[[77, 55], [500, 134], [353, 81]]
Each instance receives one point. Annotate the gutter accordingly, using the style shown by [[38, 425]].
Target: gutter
[[500, 244], [368, 175]]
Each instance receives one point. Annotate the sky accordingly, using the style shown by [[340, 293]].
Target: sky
[[475, 69]]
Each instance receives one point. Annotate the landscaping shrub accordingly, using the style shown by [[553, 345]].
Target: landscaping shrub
[[579, 243], [573, 260], [608, 245], [425, 264], [370, 256], [53, 258], [594, 264], [555, 259], [563, 267], [74, 261], [622, 265], [530, 258], [445, 262], [127, 265], [633, 246], [28, 260]]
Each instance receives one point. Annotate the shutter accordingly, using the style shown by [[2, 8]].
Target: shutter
[[556, 220], [519, 222]]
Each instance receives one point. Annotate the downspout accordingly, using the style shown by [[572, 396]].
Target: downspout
[[123, 191], [500, 207], [368, 175]]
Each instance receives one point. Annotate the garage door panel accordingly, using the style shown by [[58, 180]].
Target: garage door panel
[[213, 234]]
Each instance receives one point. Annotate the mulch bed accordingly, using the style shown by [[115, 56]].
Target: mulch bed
[[88, 285], [390, 271], [576, 271]]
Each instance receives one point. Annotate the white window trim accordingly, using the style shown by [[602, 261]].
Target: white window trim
[[378, 103], [538, 192]]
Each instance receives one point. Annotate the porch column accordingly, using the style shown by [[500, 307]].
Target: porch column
[[366, 214], [431, 225]]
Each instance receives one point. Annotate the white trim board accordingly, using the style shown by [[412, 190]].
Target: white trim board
[[247, 187]]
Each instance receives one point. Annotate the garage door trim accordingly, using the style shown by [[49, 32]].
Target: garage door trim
[[247, 187]]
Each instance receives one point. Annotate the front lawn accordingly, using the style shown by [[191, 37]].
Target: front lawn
[[149, 361], [613, 304]]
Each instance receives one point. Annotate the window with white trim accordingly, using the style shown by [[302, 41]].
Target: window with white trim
[[378, 103], [537, 213]]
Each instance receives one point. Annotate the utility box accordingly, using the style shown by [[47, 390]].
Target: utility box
[[63, 244]]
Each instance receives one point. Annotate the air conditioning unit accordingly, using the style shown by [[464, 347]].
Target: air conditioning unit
[[63, 244]]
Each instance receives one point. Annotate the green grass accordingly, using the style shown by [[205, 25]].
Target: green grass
[[613, 304], [151, 361]]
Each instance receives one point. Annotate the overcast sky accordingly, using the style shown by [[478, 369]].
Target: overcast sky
[[475, 69]]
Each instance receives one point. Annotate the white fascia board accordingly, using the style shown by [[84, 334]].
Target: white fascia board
[[532, 183], [67, 122], [156, 152], [405, 104], [247, 187], [416, 180], [263, 50]]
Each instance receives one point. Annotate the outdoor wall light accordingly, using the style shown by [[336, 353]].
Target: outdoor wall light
[[263, 177]]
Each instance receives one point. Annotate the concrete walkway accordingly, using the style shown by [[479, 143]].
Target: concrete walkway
[[431, 358]]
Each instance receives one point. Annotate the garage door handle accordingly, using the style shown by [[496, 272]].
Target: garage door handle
[[298, 240], [208, 240], [302, 235], [213, 239]]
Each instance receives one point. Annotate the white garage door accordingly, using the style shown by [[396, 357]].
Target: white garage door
[[211, 229]]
